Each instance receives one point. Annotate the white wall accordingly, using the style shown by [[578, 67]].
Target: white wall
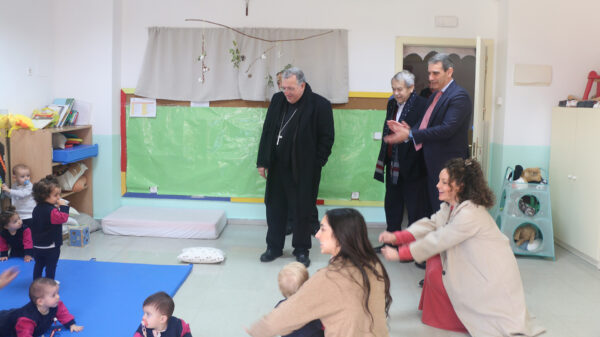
[[557, 33], [87, 57], [83, 59], [68, 45], [372, 26], [499, 96], [26, 35]]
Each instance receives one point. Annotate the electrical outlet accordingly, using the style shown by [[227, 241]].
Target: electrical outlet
[[354, 196], [154, 189], [377, 135]]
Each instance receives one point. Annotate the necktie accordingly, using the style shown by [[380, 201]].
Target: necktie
[[427, 116]]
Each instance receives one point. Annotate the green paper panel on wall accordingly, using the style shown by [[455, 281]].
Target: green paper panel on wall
[[212, 152]]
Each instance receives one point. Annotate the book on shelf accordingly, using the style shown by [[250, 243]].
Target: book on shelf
[[71, 118], [47, 117], [74, 118], [64, 116]]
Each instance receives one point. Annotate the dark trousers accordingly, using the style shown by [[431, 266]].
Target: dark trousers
[[314, 221], [411, 194], [45, 258], [434, 194], [282, 200]]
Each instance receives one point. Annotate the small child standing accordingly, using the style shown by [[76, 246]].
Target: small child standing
[[290, 278], [46, 229], [158, 320], [15, 236], [37, 316], [21, 195]]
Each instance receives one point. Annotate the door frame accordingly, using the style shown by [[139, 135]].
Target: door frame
[[402, 41]]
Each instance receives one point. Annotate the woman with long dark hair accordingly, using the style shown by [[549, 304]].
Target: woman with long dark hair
[[472, 280], [351, 296]]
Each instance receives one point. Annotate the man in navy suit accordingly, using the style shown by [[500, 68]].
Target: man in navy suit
[[442, 133], [400, 166]]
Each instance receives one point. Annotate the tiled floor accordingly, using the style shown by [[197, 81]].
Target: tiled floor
[[220, 300]]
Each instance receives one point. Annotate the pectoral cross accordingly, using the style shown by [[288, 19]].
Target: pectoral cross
[[278, 138]]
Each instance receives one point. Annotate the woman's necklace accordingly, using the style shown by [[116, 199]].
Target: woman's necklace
[[282, 126]]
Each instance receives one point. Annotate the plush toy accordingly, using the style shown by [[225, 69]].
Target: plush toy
[[529, 205], [12, 122], [525, 233], [532, 175], [529, 175]]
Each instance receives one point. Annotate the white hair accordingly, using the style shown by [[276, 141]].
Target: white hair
[[405, 76]]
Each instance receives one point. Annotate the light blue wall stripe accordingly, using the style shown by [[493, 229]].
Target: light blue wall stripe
[[503, 156], [107, 175]]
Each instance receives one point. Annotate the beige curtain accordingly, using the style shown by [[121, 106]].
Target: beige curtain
[[175, 59]]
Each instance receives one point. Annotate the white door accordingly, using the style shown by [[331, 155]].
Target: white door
[[481, 117], [480, 125], [584, 177], [562, 170]]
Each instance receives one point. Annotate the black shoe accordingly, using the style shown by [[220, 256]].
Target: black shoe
[[303, 258], [269, 255], [421, 283], [421, 265]]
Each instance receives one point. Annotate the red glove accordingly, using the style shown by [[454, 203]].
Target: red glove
[[404, 252], [403, 237]]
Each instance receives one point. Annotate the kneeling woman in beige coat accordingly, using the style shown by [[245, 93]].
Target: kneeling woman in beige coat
[[474, 282], [351, 296]]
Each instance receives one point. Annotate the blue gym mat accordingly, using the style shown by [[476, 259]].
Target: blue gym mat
[[105, 297]]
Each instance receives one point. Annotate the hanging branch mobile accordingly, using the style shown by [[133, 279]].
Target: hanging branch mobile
[[259, 38], [201, 59], [262, 56], [236, 55]]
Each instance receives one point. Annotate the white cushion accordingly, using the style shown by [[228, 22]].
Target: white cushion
[[180, 223], [85, 219], [201, 255], [71, 222]]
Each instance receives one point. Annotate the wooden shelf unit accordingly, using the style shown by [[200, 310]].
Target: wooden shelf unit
[[34, 149]]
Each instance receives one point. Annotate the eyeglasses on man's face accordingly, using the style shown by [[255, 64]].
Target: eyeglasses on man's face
[[291, 89]]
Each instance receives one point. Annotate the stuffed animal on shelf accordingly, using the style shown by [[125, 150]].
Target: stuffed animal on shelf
[[532, 175], [525, 233], [529, 205], [12, 122]]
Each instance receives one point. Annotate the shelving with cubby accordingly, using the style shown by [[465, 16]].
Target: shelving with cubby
[[34, 149]]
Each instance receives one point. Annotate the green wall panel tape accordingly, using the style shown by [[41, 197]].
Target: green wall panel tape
[[212, 152]]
